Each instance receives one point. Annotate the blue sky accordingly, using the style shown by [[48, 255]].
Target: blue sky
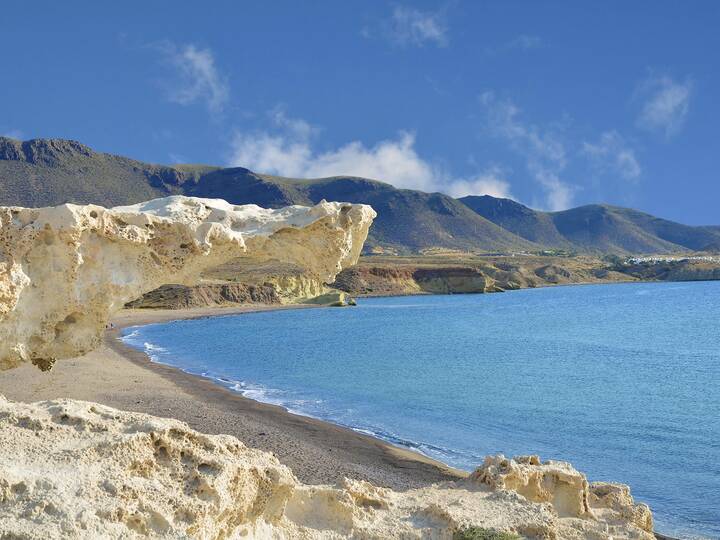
[[555, 104]]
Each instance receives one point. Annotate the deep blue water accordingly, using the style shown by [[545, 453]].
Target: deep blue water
[[621, 380]]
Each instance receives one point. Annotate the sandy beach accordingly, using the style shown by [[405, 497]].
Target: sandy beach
[[120, 376]]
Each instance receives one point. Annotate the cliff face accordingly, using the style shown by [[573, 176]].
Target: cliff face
[[211, 294], [65, 269], [388, 277], [250, 286], [71, 469], [678, 270]]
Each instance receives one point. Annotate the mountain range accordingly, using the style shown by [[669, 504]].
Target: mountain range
[[595, 228], [46, 172]]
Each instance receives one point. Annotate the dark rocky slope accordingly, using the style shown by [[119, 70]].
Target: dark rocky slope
[[595, 228]]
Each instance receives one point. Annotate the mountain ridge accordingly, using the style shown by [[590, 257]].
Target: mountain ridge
[[598, 228], [410, 221], [47, 172]]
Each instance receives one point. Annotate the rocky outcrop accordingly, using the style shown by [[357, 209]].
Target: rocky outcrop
[[65, 269], [454, 280], [553, 273], [41, 151], [568, 491], [239, 282], [554, 482], [72, 469], [377, 281], [332, 298], [210, 294], [674, 270], [302, 291], [297, 287], [613, 501], [382, 280], [481, 275]]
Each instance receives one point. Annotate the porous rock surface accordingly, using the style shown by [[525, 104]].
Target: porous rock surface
[[73, 469], [65, 269]]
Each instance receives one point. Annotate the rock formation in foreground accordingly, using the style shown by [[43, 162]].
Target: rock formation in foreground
[[72, 469], [65, 269]]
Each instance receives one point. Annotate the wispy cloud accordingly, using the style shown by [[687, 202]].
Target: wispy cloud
[[198, 79], [612, 154], [410, 27], [666, 104], [288, 150], [294, 127], [543, 151]]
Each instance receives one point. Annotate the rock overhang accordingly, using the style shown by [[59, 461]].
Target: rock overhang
[[64, 270]]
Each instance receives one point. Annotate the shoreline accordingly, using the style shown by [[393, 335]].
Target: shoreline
[[317, 451], [395, 456], [125, 378], [537, 287], [114, 340]]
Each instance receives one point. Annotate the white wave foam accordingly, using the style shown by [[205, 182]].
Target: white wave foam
[[152, 347], [305, 407]]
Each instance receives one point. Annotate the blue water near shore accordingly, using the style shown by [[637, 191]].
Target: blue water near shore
[[621, 380]]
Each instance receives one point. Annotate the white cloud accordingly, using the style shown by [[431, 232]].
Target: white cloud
[[394, 161], [666, 105], [489, 182], [559, 194], [612, 154], [199, 80], [289, 151], [296, 127], [543, 151], [411, 27]]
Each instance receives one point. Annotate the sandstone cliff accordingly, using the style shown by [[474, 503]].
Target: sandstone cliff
[[675, 270], [65, 269], [374, 276], [209, 294], [72, 469]]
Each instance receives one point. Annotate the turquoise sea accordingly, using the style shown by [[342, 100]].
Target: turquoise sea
[[622, 380]]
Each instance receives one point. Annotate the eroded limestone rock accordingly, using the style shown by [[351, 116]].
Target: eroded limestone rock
[[73, 469], [65, 269], [556, 482], [568, 491]]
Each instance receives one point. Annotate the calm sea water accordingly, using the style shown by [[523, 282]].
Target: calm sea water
[[621, 380]]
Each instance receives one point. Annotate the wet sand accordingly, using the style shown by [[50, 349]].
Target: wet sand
[[120, 376]]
